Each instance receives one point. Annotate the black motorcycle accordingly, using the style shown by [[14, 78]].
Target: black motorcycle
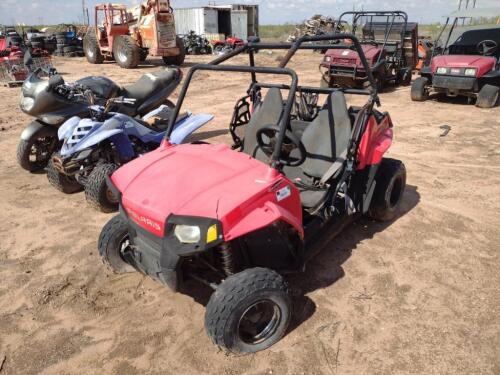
[[53, 101]]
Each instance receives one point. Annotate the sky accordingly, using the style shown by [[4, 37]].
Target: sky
[[271, 11]]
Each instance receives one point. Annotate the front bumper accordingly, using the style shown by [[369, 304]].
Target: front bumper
[[161, 257], [454, 82]]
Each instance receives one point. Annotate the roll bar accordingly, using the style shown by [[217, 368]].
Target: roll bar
[[253, 46], [391, 19]]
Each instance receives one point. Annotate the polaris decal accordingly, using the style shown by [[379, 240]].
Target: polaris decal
[[283, 193], [144, 220]]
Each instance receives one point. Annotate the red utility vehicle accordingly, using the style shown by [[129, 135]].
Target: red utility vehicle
[[237, 220], [389, 43], [469, 67]]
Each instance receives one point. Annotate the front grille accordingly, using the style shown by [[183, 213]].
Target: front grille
[[454, 83]]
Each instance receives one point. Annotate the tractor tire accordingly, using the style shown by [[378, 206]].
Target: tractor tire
[[389, 190], [39, 146], [91, 48], [126, 51], [488, 96], [63, 183], [180, 58], [228, 315], [97, 192], [419, 91], [113, 241]]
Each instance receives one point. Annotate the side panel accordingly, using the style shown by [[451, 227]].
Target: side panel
[[375, 142], [281, 202]]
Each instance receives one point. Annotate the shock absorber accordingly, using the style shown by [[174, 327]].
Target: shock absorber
[[227, 259]]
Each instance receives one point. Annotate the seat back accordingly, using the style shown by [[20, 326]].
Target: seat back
[[327, 137], [268, 113], [325, 140]]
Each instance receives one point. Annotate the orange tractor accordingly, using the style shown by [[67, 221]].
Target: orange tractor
[[117, 36]]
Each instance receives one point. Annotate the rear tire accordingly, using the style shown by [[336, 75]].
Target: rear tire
[[39, 146], [488, 96], [241, 297], [391, 184], [180, 58], [97, 193], [419, 92], [113, 242], [91, 48], [62, 182], [126, 52]]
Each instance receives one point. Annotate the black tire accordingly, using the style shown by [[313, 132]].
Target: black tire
[[404, 77], [389, 190], [180, 58], [91, 48], [225, 321], [68, 49], [419, 92], [62, 182], [97, 192], [326, 82], [34, 154], [126, 51], [488, 96], [36, 45], [113, 241]]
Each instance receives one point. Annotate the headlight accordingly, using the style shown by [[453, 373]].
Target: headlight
[[471, 72], [442, 70], [27, 103], [328, 58], [187, 233]]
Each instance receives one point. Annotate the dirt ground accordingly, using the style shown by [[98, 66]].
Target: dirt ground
[[420, 295]]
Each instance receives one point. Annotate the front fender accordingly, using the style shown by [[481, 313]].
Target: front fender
[[67, 128], [32, 129], [188, 126], [91, 141]]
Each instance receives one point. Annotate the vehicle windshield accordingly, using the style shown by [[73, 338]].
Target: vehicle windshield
[[466, 44]]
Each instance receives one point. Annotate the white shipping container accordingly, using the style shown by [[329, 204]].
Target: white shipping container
[[199, 20]]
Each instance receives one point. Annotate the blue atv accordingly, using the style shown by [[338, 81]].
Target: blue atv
[[93, 148]]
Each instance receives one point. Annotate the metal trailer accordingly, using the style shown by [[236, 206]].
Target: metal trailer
[[241, 21]]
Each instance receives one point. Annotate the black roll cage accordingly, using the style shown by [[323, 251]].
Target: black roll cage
[[253, 46], [391, 17]]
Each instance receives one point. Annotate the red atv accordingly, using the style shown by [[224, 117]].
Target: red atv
[[221, 47], [237, 221], [469, 67], [389, 44]]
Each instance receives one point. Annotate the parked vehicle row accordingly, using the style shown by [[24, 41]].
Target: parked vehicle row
[[304, 164]]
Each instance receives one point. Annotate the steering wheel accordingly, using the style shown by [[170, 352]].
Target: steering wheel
[[267, 137], [487, 47]]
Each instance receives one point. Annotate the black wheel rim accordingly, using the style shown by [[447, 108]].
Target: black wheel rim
[[259, 322], [41, 150]]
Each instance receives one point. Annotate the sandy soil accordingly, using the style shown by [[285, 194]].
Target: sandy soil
[[420, 295]]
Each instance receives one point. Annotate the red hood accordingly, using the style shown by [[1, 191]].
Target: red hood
[[483, 64], [348, 56], [189, 180]]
